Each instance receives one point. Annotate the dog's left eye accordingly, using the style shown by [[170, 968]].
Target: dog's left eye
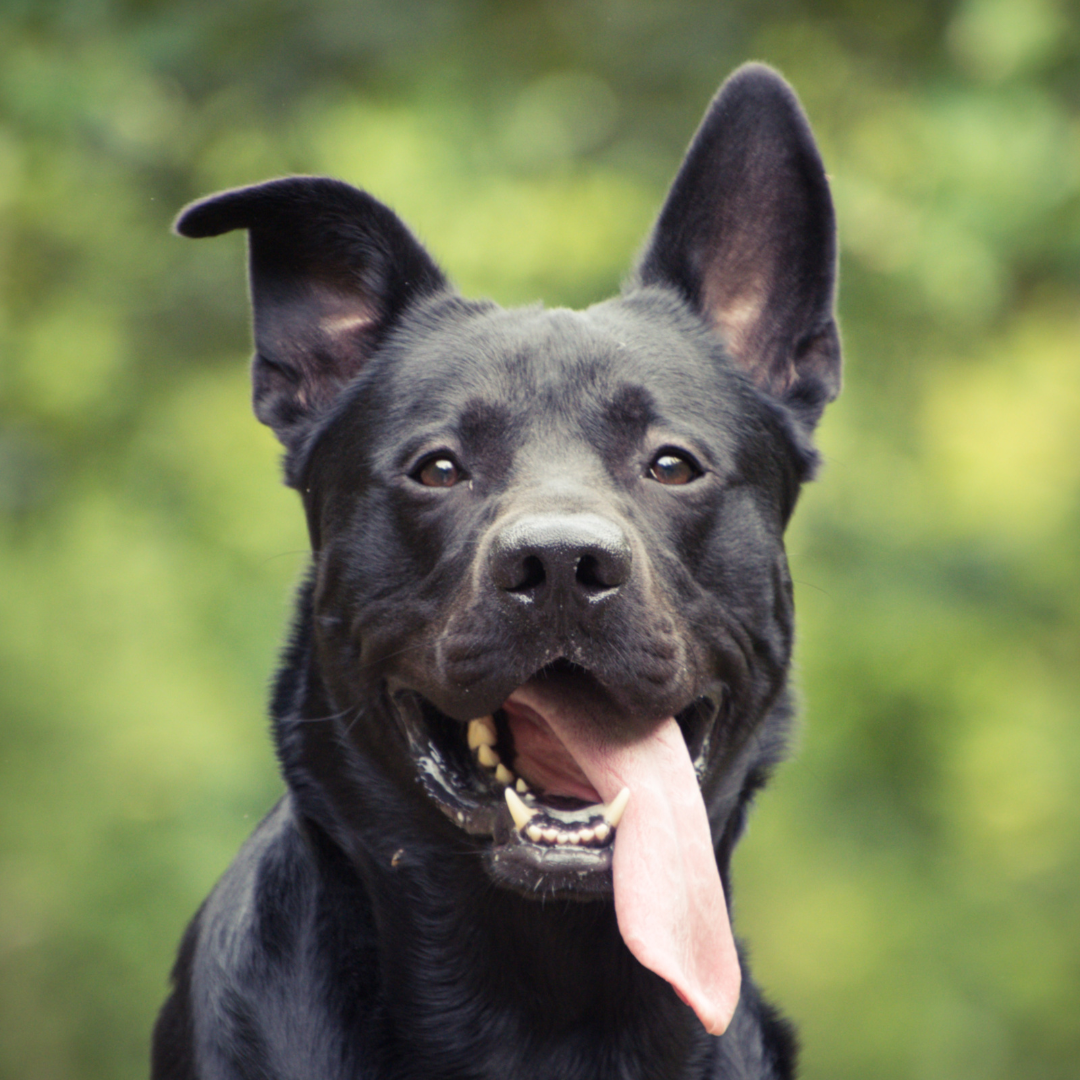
[[671, 468], [439, 471]]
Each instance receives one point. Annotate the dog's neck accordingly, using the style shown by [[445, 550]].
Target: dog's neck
[[520, 977]]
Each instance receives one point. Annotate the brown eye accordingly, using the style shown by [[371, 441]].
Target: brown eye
[[438, 472], [670, 468]]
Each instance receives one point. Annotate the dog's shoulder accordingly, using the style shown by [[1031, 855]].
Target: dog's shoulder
[[274, 962]]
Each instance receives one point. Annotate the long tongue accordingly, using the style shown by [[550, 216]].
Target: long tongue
[[668, 897]]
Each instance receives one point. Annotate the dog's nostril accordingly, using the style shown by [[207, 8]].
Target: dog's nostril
[[531, 577], [588, 574]]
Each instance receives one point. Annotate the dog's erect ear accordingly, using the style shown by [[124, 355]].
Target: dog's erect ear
[[331, 270], [748, 237]]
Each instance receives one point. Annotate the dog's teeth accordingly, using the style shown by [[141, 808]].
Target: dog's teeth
[[486, 756], [521, 814], [613, 812], [522, 786], [524, 818], [482, 732], [504, 775]]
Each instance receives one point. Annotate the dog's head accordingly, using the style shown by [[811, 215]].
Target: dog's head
[[548, 544]]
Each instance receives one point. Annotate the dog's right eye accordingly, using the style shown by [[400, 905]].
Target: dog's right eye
[[670, 467], [438, 471]]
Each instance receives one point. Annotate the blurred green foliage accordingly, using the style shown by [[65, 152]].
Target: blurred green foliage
[[910, 884]]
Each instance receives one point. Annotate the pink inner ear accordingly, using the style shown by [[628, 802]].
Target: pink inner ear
[[740, 312], [320, 333], [346, 325], [340, 333], [343, 317], [737, 313]]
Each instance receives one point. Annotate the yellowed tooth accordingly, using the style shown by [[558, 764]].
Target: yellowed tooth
[[521, 814], [573, 838], [522, 786], [602, 831], [503, 774], [613, 812], [551, 835], [486, 756], [587, 836], [534, 832], [481, 732]]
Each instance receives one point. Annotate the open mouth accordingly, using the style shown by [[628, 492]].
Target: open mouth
[[509, 776], [579, 800]]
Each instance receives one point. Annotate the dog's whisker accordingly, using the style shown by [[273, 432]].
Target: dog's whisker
[[348, 730], [283, 555], [329, 718]]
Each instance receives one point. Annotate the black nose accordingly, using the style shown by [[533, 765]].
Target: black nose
[[580, 556]]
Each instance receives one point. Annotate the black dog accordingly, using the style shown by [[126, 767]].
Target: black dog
[[548, 588]]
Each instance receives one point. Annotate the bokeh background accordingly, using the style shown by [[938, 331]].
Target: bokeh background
[[910, 882]]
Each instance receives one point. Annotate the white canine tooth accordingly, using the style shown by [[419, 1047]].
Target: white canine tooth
[[535, 833], [503, 775], [602, 831], [487, 757], [482, 732], [551, 835], [613, 812], [522, 786], [521, 814]]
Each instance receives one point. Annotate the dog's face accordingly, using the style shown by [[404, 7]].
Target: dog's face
[[550, 542], [592, 501]]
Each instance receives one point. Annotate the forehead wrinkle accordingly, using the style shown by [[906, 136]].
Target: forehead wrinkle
[[631, 407], [487, 426], [548, 368]]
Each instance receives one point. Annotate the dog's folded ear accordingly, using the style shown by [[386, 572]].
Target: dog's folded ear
[[748, 236], [331, 271]]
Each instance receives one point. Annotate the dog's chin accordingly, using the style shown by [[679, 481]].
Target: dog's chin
[[539, 828]]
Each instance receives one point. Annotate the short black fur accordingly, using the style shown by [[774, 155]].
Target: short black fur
[[385, 922]]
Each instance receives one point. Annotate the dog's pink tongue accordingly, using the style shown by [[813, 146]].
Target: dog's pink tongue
[[668, 896]]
